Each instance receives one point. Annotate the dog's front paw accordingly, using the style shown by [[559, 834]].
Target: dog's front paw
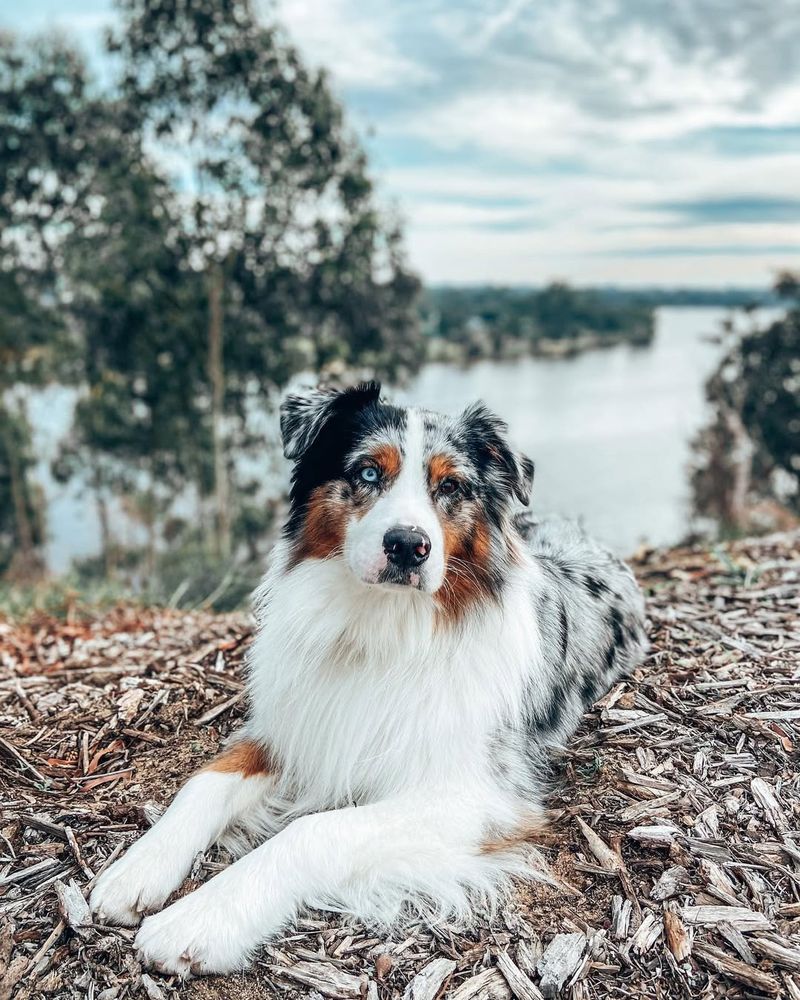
[[197, 935], [140, 882]]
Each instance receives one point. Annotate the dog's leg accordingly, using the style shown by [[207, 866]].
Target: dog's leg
[[365, 859], [210, 802]]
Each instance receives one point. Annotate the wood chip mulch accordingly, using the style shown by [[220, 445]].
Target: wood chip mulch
[[673, 860]]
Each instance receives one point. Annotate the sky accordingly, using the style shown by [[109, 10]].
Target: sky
[[600, 141]]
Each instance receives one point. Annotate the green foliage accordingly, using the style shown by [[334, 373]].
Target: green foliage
[[750, 451], [769, 398], [276, 194], [60, 598], [502, 322], [179, 243], [21, 522], [50, 131], [137, 304]]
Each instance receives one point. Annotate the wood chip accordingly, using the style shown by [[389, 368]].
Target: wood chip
[[621, 910], [73, 907], [427, 983], [677, 935], [765, 797], [647, 933], [670, 883], [151, 988], [688, 771], [521, 985], [487, 985], [323, 977], [737, 941], [561, 959], [720, 961], [610, 860], [783, 953], [655, 835], [740, 917]]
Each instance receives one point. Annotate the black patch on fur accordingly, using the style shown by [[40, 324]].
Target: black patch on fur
[[615, 624], [563, 627], [565, 570], [559, 703], [595, 587], [502, 472], [590, 689], [559, 570], [305, 415], [338, 421]]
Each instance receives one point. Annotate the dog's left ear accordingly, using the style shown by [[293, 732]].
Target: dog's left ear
[[490, 433], [305, 414]]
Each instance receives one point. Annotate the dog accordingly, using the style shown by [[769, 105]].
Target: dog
[[421, 647]]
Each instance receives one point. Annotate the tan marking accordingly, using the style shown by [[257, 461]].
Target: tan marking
[[388, 458], [247, 758], [467, 550], [530, 829], [324, 525], [440, 467]]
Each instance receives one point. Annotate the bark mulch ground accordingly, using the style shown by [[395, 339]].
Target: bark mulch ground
[[674, 856]]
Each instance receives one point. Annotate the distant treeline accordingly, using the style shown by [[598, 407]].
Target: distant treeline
[[465, 324], [728, 298]]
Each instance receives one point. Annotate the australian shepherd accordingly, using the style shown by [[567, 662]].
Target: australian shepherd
[[421, 647]]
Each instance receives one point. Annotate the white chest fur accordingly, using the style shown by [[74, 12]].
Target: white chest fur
[[361, 695]]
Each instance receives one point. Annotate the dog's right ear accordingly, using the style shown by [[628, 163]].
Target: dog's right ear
[[304, 414]]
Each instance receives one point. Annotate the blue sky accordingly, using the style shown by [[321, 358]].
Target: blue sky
[[625, 141]]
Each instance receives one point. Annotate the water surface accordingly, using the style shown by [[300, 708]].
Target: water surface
[[609, 431]]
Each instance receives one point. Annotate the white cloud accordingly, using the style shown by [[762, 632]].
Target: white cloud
[[353, 41], [523, 139], [598, 227]]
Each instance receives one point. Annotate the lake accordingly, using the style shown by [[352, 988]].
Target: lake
[[609, 431]]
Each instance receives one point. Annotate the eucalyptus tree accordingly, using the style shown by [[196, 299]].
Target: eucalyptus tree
[[141, 432], [43, 103], [299, 269], [179, 242]]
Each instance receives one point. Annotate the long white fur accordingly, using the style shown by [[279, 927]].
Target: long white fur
[[363, 700]]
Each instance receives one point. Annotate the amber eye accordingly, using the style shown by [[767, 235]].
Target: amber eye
[[447, 487]]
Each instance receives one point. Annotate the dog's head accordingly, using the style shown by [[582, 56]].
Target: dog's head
[[407, 498]]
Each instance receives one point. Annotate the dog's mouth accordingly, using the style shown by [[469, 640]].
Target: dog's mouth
[[401, 577]]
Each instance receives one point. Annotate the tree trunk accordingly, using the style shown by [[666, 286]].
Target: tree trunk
[[216, 374], [25, 564], [109, 561], [150, 527], [741, 461]]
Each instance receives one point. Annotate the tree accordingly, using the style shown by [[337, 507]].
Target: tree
[[299, 270], [179, 244], [25, 329], [42, 179], [21, 521], [751, 448], [141, 428]]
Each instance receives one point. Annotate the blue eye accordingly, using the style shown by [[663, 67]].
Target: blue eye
[[370, 474]]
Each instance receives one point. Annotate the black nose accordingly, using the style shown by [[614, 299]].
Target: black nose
[[406, 547]]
